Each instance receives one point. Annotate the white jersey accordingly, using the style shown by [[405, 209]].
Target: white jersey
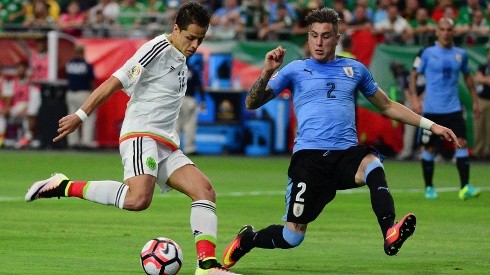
[[155, 79]]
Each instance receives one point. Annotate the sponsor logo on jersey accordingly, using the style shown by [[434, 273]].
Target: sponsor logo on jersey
[[349, 71]]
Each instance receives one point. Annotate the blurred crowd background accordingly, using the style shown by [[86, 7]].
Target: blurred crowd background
[[399, 27], [391, 21]]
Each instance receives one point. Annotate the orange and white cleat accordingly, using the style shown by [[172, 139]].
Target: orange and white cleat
[[398, 233], [233, 251]]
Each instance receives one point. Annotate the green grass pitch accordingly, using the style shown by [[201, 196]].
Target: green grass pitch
[[73, 236]]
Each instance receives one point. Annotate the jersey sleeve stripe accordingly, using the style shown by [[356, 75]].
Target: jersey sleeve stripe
[[152, 53], [152, 50]]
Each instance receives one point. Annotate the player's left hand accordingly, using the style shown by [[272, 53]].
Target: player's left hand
[[447, 133], [67, 125]]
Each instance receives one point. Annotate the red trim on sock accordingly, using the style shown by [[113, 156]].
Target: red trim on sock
[[76, 189], [205, 249]]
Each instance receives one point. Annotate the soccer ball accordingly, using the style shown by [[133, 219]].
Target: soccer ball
[[161, 256]]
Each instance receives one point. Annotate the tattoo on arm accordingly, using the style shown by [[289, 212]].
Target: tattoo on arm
[[259, 94]]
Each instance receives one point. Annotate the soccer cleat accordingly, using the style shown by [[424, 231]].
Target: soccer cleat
[[430, 193], [46, 188], [23, 143], [469, 191], [398, 233], [218, 270], [233, 252]]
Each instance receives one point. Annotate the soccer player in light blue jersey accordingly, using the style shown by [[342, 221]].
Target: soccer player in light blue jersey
[[327, 156], [441, 65]]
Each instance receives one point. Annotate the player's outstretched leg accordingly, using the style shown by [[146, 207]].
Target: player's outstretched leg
[[47, 188], [233, 252], [398, 233]]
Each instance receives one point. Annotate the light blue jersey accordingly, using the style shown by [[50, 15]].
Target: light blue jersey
[[441, 67], [324, 100]]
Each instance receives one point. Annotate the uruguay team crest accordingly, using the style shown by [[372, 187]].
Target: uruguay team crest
[[349, 71], [298, 209], [459, 58]]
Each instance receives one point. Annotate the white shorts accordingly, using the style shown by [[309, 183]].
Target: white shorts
[[18, 111], [144, 155], [34, 101]]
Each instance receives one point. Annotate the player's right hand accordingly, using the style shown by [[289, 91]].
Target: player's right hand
[[67, 125]]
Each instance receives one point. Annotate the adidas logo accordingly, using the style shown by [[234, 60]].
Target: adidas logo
[[197, 232], [172, 68]]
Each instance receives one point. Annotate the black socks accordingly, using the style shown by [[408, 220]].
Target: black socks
[[381, 199], [269, 238]]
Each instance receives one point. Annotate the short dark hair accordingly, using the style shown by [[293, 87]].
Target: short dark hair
[[192, 13], [324, 15]]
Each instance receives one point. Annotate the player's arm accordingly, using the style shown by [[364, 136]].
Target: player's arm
[[482, 79], [71, 122], [260, 93], [412, 88], [397, 111], [470, 83]]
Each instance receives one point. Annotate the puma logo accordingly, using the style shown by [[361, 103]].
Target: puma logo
[[310, 71]]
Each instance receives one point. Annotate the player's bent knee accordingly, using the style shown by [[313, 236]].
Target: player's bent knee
[[204, 192], [375, 163], [293, 238], [137, 204]]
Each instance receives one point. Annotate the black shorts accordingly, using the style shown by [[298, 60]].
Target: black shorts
[[316, 175], [453, 121]]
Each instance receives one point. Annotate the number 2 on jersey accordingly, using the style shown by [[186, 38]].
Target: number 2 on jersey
[[331, 87], [302, 187]]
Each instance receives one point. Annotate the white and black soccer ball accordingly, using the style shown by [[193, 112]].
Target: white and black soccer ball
[[161, 256]]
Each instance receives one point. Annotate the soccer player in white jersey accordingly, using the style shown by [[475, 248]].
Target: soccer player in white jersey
[[155, 79], [327, 156]]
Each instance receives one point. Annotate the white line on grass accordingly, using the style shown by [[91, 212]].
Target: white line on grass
[[281, 193]]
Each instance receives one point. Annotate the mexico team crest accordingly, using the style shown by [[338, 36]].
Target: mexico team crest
[[151, 163], [349, 71]]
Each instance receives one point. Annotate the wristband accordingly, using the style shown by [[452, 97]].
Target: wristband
[[426, 123], [81, 114]]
